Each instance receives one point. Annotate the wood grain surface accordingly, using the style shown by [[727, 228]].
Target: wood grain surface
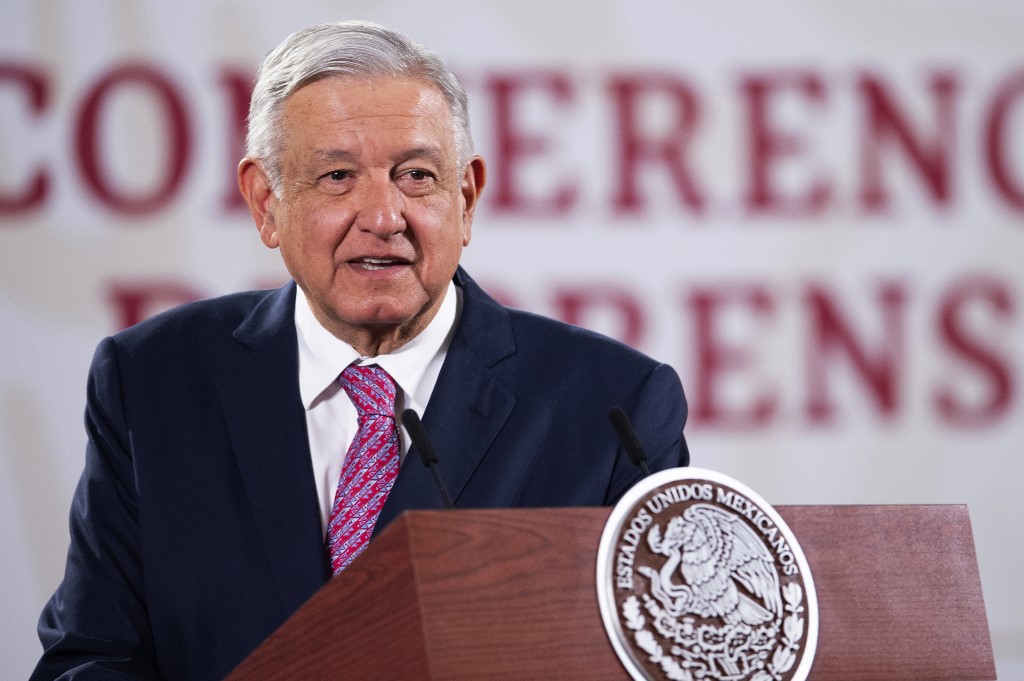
[[511, 594]]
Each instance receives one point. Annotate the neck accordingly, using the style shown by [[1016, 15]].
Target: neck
[[373, 345], [373, 340]]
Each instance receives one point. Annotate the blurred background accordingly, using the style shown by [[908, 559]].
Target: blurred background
[[813, 210]]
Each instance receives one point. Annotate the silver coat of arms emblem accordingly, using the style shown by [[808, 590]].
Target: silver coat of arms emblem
[[699, 579]]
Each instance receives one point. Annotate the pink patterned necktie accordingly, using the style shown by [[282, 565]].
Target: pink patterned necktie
[[370, 467]]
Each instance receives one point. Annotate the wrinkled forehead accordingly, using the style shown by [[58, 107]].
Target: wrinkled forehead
[[373, 95], [368, 120], [377, 102]]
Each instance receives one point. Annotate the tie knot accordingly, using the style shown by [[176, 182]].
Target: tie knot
[[371, 389]]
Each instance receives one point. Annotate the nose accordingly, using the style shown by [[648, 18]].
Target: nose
[[381, 209]]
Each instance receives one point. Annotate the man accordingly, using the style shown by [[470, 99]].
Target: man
[[216, 471]]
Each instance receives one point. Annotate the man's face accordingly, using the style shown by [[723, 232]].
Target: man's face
[[373, 211]]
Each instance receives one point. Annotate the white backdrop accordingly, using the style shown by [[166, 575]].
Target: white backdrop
[[814, 211]]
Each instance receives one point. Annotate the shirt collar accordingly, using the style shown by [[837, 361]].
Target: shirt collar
[[322, 356]]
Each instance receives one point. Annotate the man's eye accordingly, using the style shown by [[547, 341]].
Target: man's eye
[[418, 175], [337, 175]]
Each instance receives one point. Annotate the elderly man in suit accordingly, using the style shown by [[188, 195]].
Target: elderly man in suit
[[243, 450]]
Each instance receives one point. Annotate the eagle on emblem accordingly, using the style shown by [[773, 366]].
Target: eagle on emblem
[[715, 552]]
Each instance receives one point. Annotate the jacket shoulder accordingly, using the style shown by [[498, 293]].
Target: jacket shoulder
[[195, 323], [539, 335]]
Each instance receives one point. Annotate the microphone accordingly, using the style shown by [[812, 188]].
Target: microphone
[[421, 442], [628, 439]]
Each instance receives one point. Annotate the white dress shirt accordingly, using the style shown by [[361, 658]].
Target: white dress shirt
[[330, 415]]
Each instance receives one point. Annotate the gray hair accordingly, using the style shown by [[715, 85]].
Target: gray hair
[[349, 48]]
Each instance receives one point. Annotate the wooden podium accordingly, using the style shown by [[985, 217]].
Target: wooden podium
[[511, 594]]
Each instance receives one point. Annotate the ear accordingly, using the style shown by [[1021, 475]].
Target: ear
[[255, 188], [473, 182]]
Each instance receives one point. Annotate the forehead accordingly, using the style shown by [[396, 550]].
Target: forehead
[[347, 109]]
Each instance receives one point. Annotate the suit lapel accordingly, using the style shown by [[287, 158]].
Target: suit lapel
[[266, 424], [467, 409]]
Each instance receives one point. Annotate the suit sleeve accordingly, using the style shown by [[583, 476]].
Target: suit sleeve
[[657, 411], [96, 625]]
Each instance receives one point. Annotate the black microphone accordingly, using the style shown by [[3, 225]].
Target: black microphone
[[628, 439], [421, 442]]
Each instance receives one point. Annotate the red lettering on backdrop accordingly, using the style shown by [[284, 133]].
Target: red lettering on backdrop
[[997, 129], [971, 351], [37, 92], [513, 146], [573, 304], [831, 335], [716, 359], [237, 87], [885, 124], [135, 302], [927, 143], [90, 149], [770, 146], [637, 148]]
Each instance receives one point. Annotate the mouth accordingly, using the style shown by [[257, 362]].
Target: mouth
[[374, 264]]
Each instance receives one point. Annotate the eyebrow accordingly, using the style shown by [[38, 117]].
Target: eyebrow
[[431, 153], [329, 155]]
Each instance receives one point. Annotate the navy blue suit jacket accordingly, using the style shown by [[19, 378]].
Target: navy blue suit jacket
[[195, 528]]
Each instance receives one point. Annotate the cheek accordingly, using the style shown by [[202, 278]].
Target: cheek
[[309, 242], [453, 230], [427, 226], [316, 229], [449, 245]]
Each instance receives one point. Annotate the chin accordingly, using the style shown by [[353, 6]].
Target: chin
[[381, 315]]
